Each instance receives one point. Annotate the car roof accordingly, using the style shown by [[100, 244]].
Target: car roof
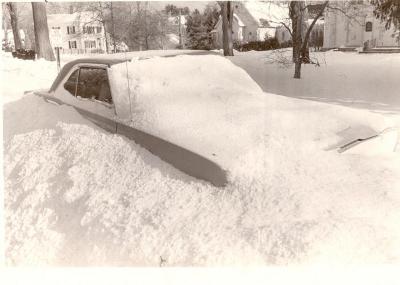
[[111, 59], [67, 67]]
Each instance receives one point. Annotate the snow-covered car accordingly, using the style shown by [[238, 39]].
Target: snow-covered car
[[199, 111], [94, 90]]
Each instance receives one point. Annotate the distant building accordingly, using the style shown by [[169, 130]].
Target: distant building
[[316, 35], [79, 32], [253, 21], [358, 29], [176, 32], [8, 39]]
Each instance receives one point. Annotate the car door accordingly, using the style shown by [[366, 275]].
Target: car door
[[86, 87]]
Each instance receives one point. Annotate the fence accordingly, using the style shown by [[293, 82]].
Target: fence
[[81, 51]]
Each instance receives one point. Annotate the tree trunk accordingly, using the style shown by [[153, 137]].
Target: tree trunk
[[12, 8], [297, 70], [42, 41], [105, 36], [296, 15], [113, 26], [305, 36], [227, 19], [305, 54]]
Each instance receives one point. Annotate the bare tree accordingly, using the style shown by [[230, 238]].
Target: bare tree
[[301, 32], [227, 23], [101, 11], [147, 28], [42, 41], [12, 9], [113, 27]]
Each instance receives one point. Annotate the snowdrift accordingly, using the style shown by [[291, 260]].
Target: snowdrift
[[212, 107], [76, 195]]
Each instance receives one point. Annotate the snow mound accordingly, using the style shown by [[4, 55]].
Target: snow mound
[[76, 195], [39, 74]]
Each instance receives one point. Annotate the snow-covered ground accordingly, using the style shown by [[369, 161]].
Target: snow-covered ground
[[368, 81], [77, 195]]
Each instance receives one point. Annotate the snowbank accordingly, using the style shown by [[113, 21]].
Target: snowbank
[[23, 75], [76, 195]]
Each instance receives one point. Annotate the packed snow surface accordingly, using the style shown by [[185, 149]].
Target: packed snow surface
[[77, 195]]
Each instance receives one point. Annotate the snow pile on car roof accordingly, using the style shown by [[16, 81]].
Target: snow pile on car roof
[[212, 107]]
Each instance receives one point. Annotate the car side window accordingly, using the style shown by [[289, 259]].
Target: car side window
[[70, 85], [93, 84]]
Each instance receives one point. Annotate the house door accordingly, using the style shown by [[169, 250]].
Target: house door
[[355, 35], [368, 33]]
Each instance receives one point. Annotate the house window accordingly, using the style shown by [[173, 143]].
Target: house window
[[72, 44], [98, 30], [88, 30], [90, 44], [89, 83], [283, 35], [71, 30], [368, 27]]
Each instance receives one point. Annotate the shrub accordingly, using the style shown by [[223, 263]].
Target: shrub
[[24, 54], [271, 43], [286, 44]]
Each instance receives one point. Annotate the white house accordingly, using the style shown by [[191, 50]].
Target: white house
[[253, 21], [79, 32], [176, 32], [361, 27], [8, 38], [316, 36]]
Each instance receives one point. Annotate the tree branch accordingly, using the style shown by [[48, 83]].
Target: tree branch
[[287, 28], [305, 41]]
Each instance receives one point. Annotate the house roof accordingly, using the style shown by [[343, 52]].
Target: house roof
[[77, 17], [240, 23], [268, 12]]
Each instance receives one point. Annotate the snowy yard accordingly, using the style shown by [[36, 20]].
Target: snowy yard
[[77, 195], [368, 81]]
